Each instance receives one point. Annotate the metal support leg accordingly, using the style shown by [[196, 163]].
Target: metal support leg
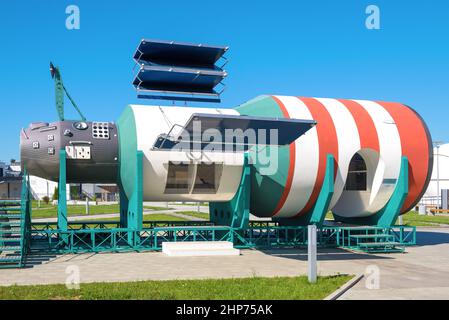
[[135, 203], [62, 194], [234, 213], [386, 217], [317, 215], [123, 208]]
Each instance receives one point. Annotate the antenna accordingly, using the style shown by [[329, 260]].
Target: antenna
[[59, 93]]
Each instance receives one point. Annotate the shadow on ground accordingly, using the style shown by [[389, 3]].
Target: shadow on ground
[[323, 254], [430, 238]]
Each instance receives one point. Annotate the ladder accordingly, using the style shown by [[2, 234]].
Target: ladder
[[374, 240], [15, 224]]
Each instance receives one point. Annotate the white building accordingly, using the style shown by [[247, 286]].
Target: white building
[[440, 175]]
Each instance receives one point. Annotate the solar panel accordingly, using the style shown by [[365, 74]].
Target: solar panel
[[178, 53], [235, 130], [178, 70], [178, 79]]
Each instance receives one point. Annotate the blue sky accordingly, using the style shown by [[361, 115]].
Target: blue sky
[[309, 48]]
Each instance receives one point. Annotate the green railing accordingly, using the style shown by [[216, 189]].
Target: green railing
[[98, 237]]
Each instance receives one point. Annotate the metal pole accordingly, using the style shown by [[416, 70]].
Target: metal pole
[[311, 261], [438, 176], [87, 204]]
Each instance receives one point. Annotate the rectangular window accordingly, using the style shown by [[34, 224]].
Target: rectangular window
[[177, 178], [207, 178]]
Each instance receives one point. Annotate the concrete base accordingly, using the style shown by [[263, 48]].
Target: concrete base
[[199, 248]]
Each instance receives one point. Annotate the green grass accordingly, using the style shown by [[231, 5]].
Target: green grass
[[414, 219], [75, 210], [50, 211], [193, 204], [195, 214], [112, 222], [294, 288], [147, 217], [156, 208]]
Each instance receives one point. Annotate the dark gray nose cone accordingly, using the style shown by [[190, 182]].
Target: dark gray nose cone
[[91, 148]]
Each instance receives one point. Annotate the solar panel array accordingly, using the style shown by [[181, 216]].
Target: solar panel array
[[171, 70]]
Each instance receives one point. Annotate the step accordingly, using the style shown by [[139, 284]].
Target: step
[[199, 248], [194, 245], [13, 202], [16, 209], [379, 244], [8, 240], [10, 259], [9, 248], [368, 236], [12, 231], [10, 224], [202, 252], [11, 216]]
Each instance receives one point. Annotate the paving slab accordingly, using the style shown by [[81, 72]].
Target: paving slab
[[421, 273]]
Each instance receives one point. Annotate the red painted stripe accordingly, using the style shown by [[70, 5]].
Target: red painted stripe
[[291, 165], [365, 125], [327, 144], [415, 145]]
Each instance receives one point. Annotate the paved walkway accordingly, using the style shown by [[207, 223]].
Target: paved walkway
[[421, 273]]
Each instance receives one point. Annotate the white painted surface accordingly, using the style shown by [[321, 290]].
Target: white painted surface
[[199, 248], [151, 121], [306, 160]]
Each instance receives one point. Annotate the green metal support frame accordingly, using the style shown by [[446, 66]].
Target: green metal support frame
[[131, 209], [234, 213], [317, 214], [389, 214], [62, 193]]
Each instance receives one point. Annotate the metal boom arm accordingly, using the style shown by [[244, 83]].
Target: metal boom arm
[[59, 94]]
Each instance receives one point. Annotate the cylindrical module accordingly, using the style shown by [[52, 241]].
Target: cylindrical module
[[173, 174], [367, 140]]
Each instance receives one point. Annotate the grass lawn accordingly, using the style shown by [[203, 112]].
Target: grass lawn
[[195, 214], [112, 222], [295, 288], [193, 204], [50, 211], [414, 219], [147, 217], [156, 208]]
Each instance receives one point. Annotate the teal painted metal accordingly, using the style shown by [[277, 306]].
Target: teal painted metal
[[321, 206], [389, 214], [255, 236], [25, 217], [317, 215], [15, 228], [134, 204], [234, 213], [59, 94], [229, 221], [123, 208], [62, 192]]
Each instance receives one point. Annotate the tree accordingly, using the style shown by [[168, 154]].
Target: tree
[[55, 194]]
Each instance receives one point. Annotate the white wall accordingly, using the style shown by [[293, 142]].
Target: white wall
[[432, 191]]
